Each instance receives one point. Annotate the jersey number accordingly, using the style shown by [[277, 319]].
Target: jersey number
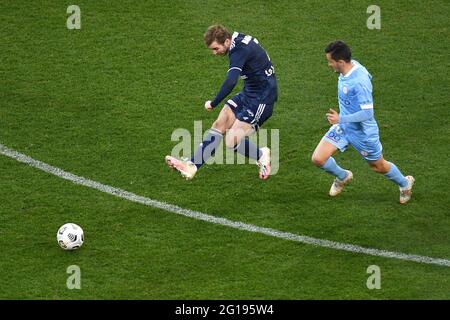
[[247, 40], [270, 71]]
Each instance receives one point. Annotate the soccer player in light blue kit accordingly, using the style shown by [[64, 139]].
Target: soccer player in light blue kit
[[354, 125]]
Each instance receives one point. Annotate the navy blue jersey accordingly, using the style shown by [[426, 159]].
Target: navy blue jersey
[[251, 62], [247, 55]]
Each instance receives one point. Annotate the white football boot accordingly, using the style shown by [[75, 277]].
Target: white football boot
[[264, 164], [338, 185], [405, 193], [186, 167]]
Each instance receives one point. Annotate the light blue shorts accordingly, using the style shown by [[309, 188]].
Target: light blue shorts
[[370, 149]]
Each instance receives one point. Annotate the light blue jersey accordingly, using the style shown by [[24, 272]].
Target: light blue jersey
[[356, 103], [355, 94]]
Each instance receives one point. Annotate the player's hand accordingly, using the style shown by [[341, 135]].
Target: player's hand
[[332, 116], [208, 106]]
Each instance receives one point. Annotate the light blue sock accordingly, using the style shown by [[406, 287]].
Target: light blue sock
[[331, 167], [396, 176]]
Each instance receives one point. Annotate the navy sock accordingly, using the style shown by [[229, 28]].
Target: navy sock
[[248, 149], [331, 167], [207, 148]]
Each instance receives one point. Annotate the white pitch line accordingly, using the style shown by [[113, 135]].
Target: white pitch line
[[220, 221]]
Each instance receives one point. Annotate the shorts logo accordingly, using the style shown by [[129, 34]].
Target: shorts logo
[[344, 89], [364, 153], [334, 136]]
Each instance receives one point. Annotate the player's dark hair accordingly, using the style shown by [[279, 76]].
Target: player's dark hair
[[216, 33], [339, 50]]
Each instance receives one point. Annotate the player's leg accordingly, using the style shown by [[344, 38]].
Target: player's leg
[[323, 152], [333, 140], [238, 131], [225, 120], [250, 115], [382, 166], [188, 168], [214, 136], [390, 171], [237, 139]]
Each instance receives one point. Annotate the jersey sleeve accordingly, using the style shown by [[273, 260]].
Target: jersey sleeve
[[227, 86], [359, 116], [238, 57], [364, 95]]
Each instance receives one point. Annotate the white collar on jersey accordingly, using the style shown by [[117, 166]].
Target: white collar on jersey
[[355, 66]]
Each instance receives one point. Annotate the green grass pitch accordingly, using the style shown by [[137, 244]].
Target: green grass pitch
[[102, 102]]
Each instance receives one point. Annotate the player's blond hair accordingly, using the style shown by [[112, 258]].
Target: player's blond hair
[[217, 33]]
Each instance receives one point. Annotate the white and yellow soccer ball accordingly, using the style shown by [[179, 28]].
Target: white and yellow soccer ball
[[70, 236]]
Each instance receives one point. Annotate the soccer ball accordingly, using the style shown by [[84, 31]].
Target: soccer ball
[[70, 236]]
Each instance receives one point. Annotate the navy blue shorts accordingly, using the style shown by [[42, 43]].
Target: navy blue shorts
[[251, 110]]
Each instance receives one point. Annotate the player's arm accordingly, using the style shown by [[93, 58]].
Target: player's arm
[[364, 96], [360, 116], [237, 61], [227, 86]]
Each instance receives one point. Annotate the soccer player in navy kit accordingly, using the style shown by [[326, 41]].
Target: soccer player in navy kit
[[354, 125], [246, 111]]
